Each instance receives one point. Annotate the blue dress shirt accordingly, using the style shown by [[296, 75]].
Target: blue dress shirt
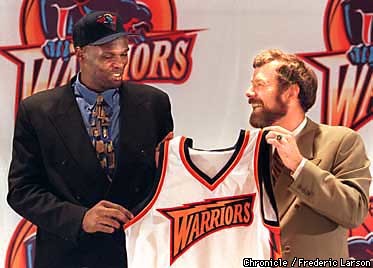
[[86, 99]]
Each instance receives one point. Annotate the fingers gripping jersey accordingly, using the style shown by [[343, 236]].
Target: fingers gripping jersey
[[206, 209]]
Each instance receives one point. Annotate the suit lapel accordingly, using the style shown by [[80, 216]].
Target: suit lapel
[[130, 105], [305, 140], [69, 124], [284, 197]]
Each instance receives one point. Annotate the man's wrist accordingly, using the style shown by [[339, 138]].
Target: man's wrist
[[296, 172]]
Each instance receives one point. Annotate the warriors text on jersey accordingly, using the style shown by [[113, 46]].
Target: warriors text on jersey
[[207, 209]]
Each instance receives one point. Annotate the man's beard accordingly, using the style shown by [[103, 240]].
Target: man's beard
[[265, 117]]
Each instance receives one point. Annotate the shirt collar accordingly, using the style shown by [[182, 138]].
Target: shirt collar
[[299, 128], [90, 96]]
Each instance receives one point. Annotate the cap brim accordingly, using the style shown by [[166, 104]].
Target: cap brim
[[111, 37]]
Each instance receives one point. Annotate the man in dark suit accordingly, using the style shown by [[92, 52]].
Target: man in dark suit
[[77, 170], [320, 173]]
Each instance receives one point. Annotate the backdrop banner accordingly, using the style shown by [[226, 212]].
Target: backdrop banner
[[200, 53]]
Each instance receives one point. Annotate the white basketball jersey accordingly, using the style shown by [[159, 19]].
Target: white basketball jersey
[[206, 209]]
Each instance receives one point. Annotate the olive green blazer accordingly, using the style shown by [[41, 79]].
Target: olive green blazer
[[330, 195]]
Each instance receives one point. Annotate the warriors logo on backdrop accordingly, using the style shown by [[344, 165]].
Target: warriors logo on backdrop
[[161, 54], [347, 86]]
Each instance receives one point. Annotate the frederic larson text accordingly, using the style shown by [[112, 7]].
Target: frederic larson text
[[301, 262]]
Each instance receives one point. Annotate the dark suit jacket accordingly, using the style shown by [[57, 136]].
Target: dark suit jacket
[[55, 176], [329, 196]]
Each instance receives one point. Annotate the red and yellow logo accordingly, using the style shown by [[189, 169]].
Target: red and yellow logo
[[21, 249], [192, 222], [161, 53], [347, 86], [360, 243]]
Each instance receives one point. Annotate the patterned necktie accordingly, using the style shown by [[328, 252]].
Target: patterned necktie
[[277, 166], [101, 136]]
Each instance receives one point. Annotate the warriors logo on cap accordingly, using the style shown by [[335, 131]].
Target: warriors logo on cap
[[98, 28], [108, 20]]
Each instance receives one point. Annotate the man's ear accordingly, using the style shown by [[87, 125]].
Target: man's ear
[[79, 53], [293, 91]]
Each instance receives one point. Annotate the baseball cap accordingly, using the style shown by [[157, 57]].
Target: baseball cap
[[98, 28]]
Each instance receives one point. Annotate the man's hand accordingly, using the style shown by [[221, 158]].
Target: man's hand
[[286, 145], [105, 217], [169, 136]]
